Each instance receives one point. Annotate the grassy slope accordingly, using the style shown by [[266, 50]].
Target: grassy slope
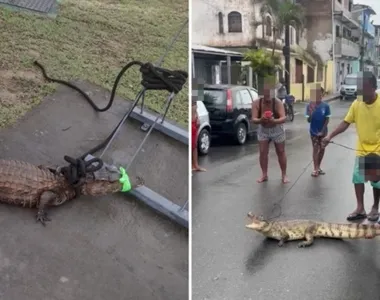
[[89, 40]]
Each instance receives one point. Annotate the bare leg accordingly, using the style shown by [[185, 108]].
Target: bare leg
[[320, 156], [195, 164], [374, 213], [280, 151], [45, 199], [359, 213], [315, 160], [264, 150]]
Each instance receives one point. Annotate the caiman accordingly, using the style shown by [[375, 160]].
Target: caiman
[[27, 185], [307, 230]]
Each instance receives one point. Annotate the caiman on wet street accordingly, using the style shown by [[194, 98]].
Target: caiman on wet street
[[231, 261]]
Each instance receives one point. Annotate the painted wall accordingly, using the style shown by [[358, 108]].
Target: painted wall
[[355, 66], [296, 88]]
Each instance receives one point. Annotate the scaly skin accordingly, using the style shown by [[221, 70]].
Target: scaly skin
[[30, 186], [307, 230]]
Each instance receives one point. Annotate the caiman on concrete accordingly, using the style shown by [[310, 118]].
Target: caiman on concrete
[[307, 230], [27, 185]]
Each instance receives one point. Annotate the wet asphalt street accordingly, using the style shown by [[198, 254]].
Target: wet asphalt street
[[232, 262]]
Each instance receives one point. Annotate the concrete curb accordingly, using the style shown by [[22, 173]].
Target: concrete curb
[[167, 128], [326, 99], [148, 196], [162, 205]]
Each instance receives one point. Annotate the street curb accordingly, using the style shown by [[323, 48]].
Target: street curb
[[327, 99], [167, 128], [162, 205]]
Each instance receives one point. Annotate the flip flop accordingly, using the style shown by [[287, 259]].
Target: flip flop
[[356, 216], [315, 173], [321, 172], [373, 216]]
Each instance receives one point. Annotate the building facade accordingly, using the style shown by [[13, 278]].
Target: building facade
[[325, 51], [365, 37]]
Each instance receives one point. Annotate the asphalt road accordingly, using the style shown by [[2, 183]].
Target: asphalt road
[[232, 262]]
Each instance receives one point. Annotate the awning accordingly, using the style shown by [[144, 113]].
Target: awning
[[205, 50]]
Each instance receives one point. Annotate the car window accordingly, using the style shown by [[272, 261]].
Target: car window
[[201, 109], [254, 94], [214, 97], [350, 81], [238, 99], [245, 96]]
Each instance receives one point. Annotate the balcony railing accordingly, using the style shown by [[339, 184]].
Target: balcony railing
[[345, 47]]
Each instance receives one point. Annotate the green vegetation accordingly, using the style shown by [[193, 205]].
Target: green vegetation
[[262, 62], [90, 40]]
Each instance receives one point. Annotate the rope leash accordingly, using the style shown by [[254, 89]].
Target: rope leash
[[279, 203], [153, 78]]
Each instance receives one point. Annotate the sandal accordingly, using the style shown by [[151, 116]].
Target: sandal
[[321, 172], [373, 216], [315, 173], [356, 216]]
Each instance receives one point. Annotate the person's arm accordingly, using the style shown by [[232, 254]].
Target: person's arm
[[280, 111], [307, 113], [327, 117], [255, 111], [348, 120]]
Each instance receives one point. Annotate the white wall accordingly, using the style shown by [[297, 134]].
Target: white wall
[[205, 23]]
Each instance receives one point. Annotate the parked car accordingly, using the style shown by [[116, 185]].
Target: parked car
[[348, 89], [230, 110], [204, 130]]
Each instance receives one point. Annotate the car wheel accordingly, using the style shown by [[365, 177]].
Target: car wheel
[[241, 133], [204, 141]]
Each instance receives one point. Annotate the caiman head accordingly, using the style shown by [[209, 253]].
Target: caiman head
[[107, 180], [258, 223]]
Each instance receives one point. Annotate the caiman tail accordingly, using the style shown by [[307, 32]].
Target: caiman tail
[[348, 231]]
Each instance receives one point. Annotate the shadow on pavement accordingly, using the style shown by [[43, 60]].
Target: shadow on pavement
[[94, 248]]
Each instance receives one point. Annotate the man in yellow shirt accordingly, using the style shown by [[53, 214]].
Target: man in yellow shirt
[[365, 114]]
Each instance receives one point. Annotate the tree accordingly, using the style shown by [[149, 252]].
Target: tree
[[263, 64], [283, 13]]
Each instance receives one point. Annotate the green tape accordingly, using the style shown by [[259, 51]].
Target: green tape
[[124, 180]]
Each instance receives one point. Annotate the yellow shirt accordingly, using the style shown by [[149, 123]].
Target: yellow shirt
[[367, 120]]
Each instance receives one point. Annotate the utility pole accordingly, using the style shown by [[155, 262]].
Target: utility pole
[[286, 52]]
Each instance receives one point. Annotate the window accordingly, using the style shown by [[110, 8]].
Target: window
[[310, 74], [268, 26], [320, 73], [349, 5], [234, 22], [299, 72], [337, 31], [291, 36], [297, 36], [220, 18], [246, 97], [255, 95]]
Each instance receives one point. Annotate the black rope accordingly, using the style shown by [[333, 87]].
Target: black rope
[[153, 78], [77, 169]]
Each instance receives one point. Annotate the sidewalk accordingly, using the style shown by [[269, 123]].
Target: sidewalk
[[300, 106]]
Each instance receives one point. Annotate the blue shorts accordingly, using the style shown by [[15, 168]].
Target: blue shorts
[[358, 175]]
